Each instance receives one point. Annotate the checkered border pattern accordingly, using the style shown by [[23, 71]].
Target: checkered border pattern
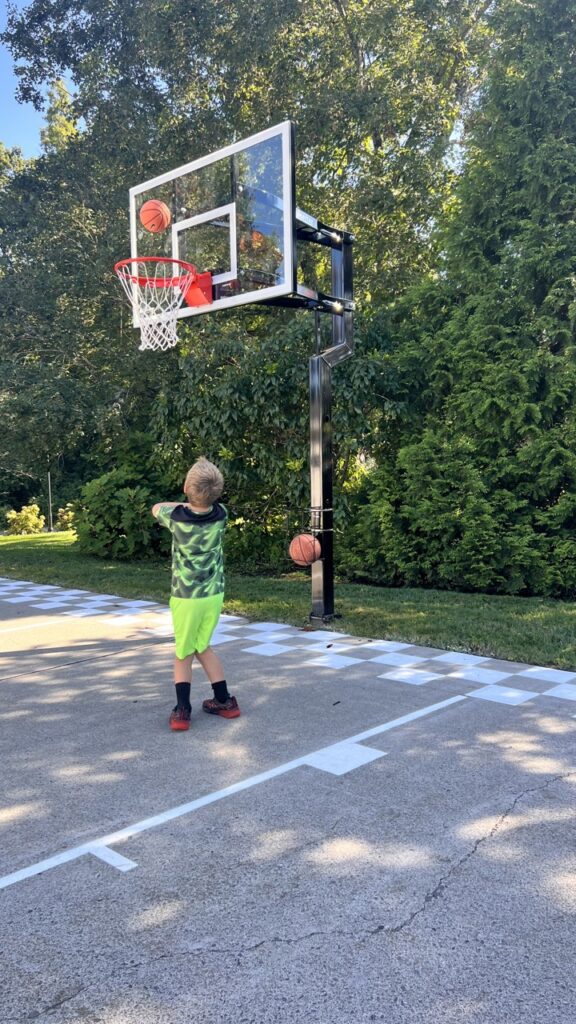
[[392, 661]]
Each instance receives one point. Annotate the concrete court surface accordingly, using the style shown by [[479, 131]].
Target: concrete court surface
[[386, 834]]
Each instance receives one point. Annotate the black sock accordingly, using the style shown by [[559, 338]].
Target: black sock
[[221, 691], [183, 694]]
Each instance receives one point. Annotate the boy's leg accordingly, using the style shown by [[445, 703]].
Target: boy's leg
[[183, 679], [222, 703], [211, 664], [183, 669], [180, 715]]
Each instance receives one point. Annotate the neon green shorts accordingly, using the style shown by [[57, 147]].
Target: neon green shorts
[[194, 620]]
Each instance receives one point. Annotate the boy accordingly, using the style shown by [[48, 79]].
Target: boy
[[197, 592]]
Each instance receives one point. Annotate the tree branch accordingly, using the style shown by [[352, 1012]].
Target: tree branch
[[446, 78], [357, 50]]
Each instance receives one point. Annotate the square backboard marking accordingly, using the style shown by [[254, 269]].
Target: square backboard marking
[[216, 218], [233, 213]]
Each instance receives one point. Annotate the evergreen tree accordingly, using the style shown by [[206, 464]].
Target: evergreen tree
[[480, 492]]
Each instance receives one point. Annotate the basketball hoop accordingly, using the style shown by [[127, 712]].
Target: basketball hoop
[[156, 287]]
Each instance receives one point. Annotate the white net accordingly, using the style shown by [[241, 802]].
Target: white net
[[155, 288]]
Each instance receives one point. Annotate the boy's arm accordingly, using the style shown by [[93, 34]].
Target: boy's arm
[[163, 504]]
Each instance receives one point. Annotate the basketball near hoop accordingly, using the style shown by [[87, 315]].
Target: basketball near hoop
[[155, 216]]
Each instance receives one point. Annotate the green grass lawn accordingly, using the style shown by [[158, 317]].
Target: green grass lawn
[[520, 629]]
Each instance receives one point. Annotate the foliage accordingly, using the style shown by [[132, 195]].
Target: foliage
[[374, 89], [479, 489], [28, 520], [65, 518], [113, 519], [461, 395], [239, 395], [61, 128]]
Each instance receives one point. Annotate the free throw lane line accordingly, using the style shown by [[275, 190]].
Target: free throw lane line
[[100, 848]]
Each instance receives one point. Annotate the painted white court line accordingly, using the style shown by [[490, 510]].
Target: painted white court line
[[333, 758], [41, 623], [34, 625]]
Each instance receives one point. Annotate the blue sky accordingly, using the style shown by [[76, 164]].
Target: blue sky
[[20, 124]]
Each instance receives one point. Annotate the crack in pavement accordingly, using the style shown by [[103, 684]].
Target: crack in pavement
[[442, 885], [438, 891], [60, 1001]]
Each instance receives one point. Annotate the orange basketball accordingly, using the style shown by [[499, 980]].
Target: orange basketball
[[155, 216], [305, 549]]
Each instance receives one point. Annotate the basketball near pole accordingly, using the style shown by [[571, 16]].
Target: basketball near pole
[[305, 549]]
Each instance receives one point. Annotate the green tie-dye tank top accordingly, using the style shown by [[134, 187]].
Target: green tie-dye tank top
[[197, 557]]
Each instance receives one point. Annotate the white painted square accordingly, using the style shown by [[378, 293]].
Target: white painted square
[[40, 591], [548, 675], [503, 694], [62, 593], [18, 600], [93, 609], [414, 676], [342, 757], [225, 617], [387, 645], [217, 638], [47, 605], [487, 676], [136, 604], [265, 627], [323, 648], [334, 661], [397, 659], [459, 658], [271, 637], [267, 650], [566, 691]]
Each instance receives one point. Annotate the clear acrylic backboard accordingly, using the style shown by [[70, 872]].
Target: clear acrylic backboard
[[232, 213]]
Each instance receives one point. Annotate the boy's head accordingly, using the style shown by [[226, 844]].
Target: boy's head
[[204, 483]]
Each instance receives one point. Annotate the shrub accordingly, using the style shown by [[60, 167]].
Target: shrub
[[259, 546], [112, 518], [65, 517], [28, 520]]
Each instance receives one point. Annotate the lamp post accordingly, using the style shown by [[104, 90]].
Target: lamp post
[[50, 524]]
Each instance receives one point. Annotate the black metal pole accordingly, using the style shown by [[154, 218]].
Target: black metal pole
[[321, 487], [321, 455]]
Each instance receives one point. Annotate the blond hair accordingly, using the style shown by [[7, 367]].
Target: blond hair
[[204, 483]]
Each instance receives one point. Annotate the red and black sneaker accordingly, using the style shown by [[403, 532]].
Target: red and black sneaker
[[179, 718], [229, 709]]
